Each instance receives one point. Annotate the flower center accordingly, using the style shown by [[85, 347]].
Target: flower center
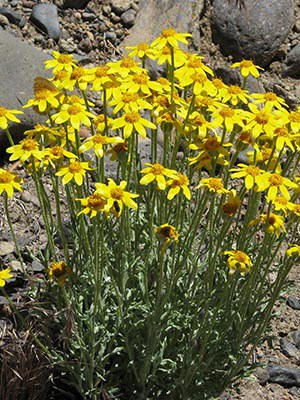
[[253, 170], [42, 94], [168, 32], [294, 116], [262, 118], [276, 180], [199, 120], [233, 89], [240, 256], [60, 75], [216, 184], [199, 78], [101, 71], [226, 112], [75, 167], [29, 145], [141, 79], [270, 96], [100, 139], [281, 200], [6, 177], [132, 117], [194, 63], [74, 109], [117, 193], [143, 46], [218, 83], [127, 63], [2, 112], [57, 151], [96, 201], [157, 169], [281, 131], [211, 144], [246, 64], [130, 97], [77, 73], [64, 59]]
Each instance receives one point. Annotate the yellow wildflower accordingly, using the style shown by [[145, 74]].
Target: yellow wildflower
[[249, 172], [8, 115], [247, 67], [157, 172], [98, 143], [214, 185], [140, 82], [124, 67], [260, 120], [93, 204], [76, 114], [280, 203], [170, 37], [116, 196], [129, 101], [4, 275], [9, 182], [234, 94], [273, 223], [44, 100], [167, 234], [142, 50], [75, 170], [181, 182], [274, 183], [58, 271], [25, 149], [232, 204], [294, 249], [61, 62], [238, 260], [228, 117], [131, 121], [269, 99]]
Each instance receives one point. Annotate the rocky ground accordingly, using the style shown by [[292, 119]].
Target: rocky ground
[[95, 31]]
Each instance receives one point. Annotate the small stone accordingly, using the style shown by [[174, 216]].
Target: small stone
[[114, 18], [16, 266], [111, 36], [36, 266], [75, 3], [6, 248], [45, 16], [296, 27], [293, 302], [27, 197], [3, 20], [14, 3], [288, 349], [13, 17], [88, 16], [85, 45], [294, 391], [106, 10], [262, 375], [128, 18], [296, 338], [287, 377], [67, 45], [120, 6]]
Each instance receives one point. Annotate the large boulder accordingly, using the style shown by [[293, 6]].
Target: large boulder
[[20, 64], [254, 31]]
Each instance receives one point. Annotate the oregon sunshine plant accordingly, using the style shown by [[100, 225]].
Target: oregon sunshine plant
[[162, 289]]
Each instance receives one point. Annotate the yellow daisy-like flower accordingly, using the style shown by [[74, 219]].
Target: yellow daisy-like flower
[[228, 117], [157, 172], [238, 260], [201, 84], [25, 149], [124, 67], [98, 143], [61, 62], [193, 65], [129, 102], [280, 203], [170, 37], [142, 50], [4, 275], [274, 183], [177, 184], [167, 234], [101, 78], [214, 185], [295, 208], [75, 114], [141, 83], [260, 120], [75, 170], [58, 271], [270, 99], [93, 204], [273, 223], [9, 182], [169, 55], [131, 121], [57, 154], [118, 151], [200, 124], [8, 115], [116, 196], [232, 204], [247, 67], [234, 94], [43, 100], [79, 77], [249, 172], [293, 250]]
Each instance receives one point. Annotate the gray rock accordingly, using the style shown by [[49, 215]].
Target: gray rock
[[288, 349], [262, 375], [284, 376], [20, 64], [128, 18], [6, 248], [155, 15], [13, 16], [85, 45], [111, 36], [89, 16], [120, 6], [36, 266], [45, 17], [291, 65], [16, 266], [252, 32], [294, 391], [3, 21], [296, 338], [67, 45], [75, 3], [293, 302]]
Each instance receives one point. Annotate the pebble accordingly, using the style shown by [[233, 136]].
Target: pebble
[[88, 16], [111, 36], [27, 197], [128, 18], [16, 266], [45, 16], [36, 266], [75, 3], [120, 6], [6, 248], [294, 391], [67, 45], [85, 45], [13, 16], [262, 375], [284, 376], [3, 20], [292, 62], [296, 338], [293, 302], [288, 349]]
